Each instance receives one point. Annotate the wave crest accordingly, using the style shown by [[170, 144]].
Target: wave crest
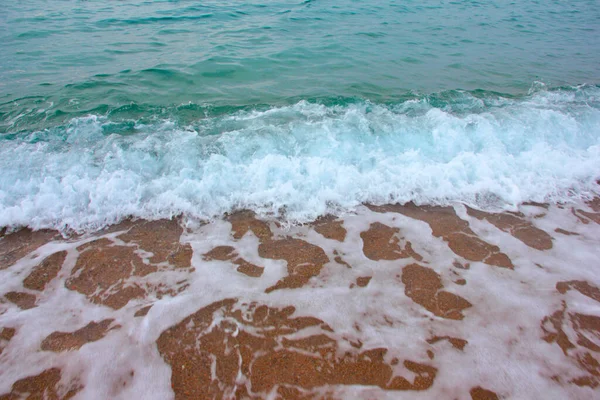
[[305, 160]]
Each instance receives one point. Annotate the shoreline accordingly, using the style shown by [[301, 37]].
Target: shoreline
[[391, 301], [590, 198]]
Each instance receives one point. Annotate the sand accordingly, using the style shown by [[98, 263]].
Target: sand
[[393, 301]]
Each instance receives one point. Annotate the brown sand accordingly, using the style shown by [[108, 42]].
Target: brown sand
[[331, 228], [237, 348], [63, 341], [304, 260], [263, 354], [423, 285], [106, 272], [5, 335], [381, 242], [43, 386], [446, 224], [17, 245], [47, 270], [228, 253], [516, 225]]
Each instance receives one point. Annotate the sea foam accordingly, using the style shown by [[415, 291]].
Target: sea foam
[[306, 159]]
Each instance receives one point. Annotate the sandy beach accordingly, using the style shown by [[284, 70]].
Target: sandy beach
[[299, 200], [388, 302]]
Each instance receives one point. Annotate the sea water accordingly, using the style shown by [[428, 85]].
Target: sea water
[[292, 108]]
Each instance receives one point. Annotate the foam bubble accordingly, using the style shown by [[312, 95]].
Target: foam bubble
[[306, 160], [503, 328]]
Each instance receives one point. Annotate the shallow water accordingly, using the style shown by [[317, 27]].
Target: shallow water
[[393, 302]]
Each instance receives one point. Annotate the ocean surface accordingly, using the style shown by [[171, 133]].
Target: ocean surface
[[293, 108]]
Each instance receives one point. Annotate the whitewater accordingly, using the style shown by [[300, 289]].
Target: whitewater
[[304, 160]]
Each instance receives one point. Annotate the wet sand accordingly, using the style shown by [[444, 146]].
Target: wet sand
[[393, 301]]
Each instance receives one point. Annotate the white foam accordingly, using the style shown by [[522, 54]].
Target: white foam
[[505, 352], [306, 159]]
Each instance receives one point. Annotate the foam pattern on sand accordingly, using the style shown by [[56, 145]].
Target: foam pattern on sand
[[305, 160], [389, 302]]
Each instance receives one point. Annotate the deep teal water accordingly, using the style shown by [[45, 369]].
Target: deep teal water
[[333, 103]]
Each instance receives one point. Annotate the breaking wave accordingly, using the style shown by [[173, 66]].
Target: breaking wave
[[304, 160]]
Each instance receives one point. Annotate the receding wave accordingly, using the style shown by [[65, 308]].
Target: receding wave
[[304, 160]]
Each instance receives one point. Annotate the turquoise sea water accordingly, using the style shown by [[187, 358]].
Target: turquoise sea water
[[154, 108]]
